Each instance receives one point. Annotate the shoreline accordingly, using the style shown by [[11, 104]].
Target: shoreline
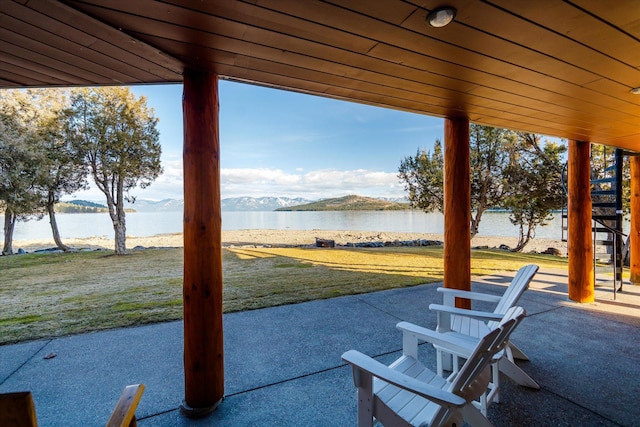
[[287, 237]]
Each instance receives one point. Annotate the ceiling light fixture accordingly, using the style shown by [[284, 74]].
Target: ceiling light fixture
[[441, 16], [635, 91]]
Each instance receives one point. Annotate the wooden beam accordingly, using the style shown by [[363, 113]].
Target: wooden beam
[[634, 244], [580, 241], [202, 287], [457, 207]]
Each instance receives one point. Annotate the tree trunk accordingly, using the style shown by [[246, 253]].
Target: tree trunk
[[475, 220], [120, 222], [54, 226], [523, 239], [120, 228], [9, 225], [120, 237], [626, 258]]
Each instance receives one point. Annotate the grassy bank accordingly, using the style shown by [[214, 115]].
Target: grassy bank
[[47, 295]]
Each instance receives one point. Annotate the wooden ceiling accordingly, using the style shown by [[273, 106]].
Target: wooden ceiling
[[561, 68]]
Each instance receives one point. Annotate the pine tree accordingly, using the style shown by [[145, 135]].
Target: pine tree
[[117, 136]]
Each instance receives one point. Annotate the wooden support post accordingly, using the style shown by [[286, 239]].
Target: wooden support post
[[457, 207], [202, 286], [580, 241], [634, 234]]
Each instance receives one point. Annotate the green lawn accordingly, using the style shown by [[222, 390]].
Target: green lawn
[[48, 295]]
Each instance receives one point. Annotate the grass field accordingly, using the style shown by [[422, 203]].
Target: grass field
[[48, 295]]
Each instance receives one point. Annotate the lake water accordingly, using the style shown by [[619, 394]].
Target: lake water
[[143, 224]]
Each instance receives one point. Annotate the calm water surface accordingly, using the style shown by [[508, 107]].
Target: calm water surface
[[143, 224]]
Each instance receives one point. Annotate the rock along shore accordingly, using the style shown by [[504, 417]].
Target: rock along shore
[[266, 237]]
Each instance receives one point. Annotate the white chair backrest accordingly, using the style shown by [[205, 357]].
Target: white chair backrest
[[516, 288], [473, 378], [466, 383]]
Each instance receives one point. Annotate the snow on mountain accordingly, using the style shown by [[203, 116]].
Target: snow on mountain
[[229, 204], [260, 203], [164, 205]]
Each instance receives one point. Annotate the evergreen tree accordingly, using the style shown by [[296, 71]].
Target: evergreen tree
[[62, 167], [20, 171], [533, 188], [117, 136], [488, 157], [423, 174], [423, 178]]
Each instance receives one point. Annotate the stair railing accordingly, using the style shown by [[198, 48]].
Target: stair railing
[[617, 234]]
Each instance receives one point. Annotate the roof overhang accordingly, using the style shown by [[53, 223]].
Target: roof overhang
[[553, 67]]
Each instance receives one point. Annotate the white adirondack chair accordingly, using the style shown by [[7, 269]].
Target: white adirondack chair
[[473, 324], [407, 393]]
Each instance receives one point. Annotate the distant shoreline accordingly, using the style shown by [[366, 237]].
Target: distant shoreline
[[286, 237]]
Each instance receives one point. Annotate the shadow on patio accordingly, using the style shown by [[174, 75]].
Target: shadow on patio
[[283, 367]]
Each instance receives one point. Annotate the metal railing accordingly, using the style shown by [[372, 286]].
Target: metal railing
[[617, 234]]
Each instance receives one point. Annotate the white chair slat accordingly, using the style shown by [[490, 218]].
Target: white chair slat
[[475, 328]]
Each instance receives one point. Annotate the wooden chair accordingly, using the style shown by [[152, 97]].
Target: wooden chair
[[475, 324], [407, 393], [123, 414], [18, 409]]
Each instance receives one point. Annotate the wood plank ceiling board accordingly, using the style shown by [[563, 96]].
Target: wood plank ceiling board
[[623, 15], [561, 68], [61, 33], [588, 29], [202, 23], [379, 89], [417, 38], [488, 46], [288, 56], [54, 68]]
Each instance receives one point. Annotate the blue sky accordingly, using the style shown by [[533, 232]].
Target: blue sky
[[286, 144]]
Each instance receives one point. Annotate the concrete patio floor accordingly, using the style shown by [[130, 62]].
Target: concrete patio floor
[[283, 366]]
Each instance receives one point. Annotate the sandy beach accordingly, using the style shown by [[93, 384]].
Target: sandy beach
[[287, 238]]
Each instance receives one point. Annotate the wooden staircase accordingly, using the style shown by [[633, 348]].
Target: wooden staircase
[[607, 214]]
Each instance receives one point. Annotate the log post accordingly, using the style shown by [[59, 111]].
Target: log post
[[457, 207], [580, 241], [202, 286], [634, 234]]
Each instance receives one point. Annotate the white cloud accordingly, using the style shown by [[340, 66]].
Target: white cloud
[[321, 183], [257, 182]]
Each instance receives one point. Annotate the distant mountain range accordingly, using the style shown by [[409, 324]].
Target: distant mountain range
[[269, 204], [260, 203], [164, 205], [349, 203], [228, 204]]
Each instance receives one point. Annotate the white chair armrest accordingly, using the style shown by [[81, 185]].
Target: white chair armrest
[[456, 343], [373, 367], [475, 314], [476, 296]]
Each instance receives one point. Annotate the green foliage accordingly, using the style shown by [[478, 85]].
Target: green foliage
[[507, 170], [40, 162], [488, 157], [20, 161], [65, 207], [532, 185], [423, 174], [423, 178], [117, 136], [85, 203]]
